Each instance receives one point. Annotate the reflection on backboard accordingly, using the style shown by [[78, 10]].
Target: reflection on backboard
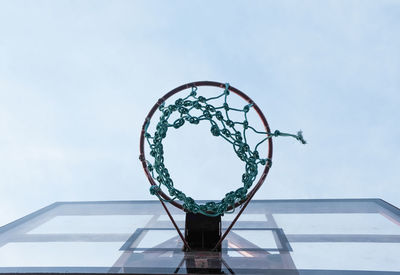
[[271, 237]]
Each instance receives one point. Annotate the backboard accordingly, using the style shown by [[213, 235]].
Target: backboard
[[337, 236]]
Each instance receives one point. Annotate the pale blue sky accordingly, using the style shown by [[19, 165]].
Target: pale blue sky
[[78, 77]]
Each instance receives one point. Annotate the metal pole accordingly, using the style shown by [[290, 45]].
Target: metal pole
[[175, 225]]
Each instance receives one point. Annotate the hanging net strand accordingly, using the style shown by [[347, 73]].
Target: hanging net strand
[[221, 126]]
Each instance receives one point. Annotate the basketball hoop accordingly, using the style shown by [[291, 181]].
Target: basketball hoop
[[220, 126]]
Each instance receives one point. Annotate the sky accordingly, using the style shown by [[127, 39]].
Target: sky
[[77, 79]]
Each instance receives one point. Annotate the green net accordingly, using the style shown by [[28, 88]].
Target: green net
[[221, 126]]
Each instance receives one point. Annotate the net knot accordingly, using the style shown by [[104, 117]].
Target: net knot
[[226, 132], [194, 120], [197, 105], [218, 115], [300, 137], [183, 110], [226, 91], [210, 108], [178, 123], [154, 189], [215, 130], [207, 114], [241, 193], [161, 107], [179, 102], [276, 133], [193, 92]]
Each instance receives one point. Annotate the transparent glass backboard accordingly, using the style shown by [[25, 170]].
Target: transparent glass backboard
[[340, 236]]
